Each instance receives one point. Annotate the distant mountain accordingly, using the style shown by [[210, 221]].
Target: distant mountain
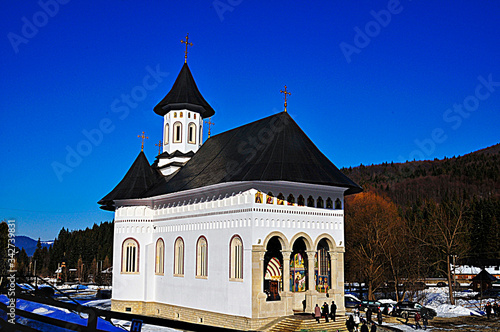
[[475, 174], [29, 244]]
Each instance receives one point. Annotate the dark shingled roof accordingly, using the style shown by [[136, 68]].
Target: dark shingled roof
[[138, 179], [184, 95], [271, 149]]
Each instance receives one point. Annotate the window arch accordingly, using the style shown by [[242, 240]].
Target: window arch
[[179, 257], [165, 136], [192, 133], [270, 198], [329, 203], [280, 199], [160, 256], [177, 138], [300, 201], [310, 201], [236, 258], [290, 199], [130, 256], [338, 204], [202, 257], [319, 202]]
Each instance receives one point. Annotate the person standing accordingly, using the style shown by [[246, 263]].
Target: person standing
[[417, 320], [349, 324], [488, 310], [379, 316], [357, 320], [317, 313], [374, 327], [425, 321], [333, 310], [369, 315], [495, 309], [364, 328], [326, 312]]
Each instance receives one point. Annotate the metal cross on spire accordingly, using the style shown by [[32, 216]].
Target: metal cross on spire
[[210, 124], [285, 93], [187, 44], [159, 147], [142, 137]]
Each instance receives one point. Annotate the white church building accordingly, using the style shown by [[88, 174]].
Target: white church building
[[235, 231]]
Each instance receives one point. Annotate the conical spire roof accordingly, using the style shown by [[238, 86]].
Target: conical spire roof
[[139, 177], [184, 95]]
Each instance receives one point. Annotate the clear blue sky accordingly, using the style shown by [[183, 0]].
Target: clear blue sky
[[371, 81]]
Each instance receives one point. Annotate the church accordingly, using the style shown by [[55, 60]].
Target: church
[[233, 231]]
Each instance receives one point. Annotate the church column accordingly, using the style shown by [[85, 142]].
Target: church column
[[337, 273], [258, 253], [312, 293], [286, 294]]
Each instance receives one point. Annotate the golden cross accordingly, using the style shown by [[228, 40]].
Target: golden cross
[[142, 137], [187, 43], [159, 147], [285, 93], [210, 124]]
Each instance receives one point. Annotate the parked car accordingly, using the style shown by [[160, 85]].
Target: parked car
[[387, 308], [351, 301], [441, 284], [406, 309], [367, 304]]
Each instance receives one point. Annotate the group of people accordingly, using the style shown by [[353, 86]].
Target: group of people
[[419, 318], [492, 309], [354, 321], [325, 311]]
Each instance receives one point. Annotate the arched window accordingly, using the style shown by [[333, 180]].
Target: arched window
[[202, 257], [329, 203], [130, 256], [177, 132], [280, 199], [290, 199], [160, 257], [236, 258], [310, 201], [179, 257], [338, 204], [201, 132], [319, 202], [270, 198], [165, 136], [192, 133], [300, 200]]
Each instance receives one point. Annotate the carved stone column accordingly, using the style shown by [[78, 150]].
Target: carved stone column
[[258, 295], [312, 293], [337, 263], [286, 294]]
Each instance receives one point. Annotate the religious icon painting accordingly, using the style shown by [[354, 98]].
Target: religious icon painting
[[298, 271], [280, 199], [270, 199], [258, 197]]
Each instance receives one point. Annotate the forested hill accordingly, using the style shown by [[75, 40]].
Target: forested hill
[[476, 174]]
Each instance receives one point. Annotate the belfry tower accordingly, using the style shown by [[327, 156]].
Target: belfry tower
[[183, 110]]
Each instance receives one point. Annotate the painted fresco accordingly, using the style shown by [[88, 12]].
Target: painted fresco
[[297, 274], [272, 279], [258, 197], [322, 276]]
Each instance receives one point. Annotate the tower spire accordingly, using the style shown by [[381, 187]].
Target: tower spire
[[285, 93], [142, 137], [186, 41]]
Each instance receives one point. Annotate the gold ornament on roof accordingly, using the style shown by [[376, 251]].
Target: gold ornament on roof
[[186, 41], [210, 124], [142, 137], [285, 93]]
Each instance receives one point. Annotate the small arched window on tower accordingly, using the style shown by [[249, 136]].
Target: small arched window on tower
[[179, 257], [300, 201], [329, 203], [192, 133], [290, 199], [236, 256], [160, 255], [319, 202], [338, 204], [310, 201], [202, 257], [130, 256], [165, 136], [177, 132]]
